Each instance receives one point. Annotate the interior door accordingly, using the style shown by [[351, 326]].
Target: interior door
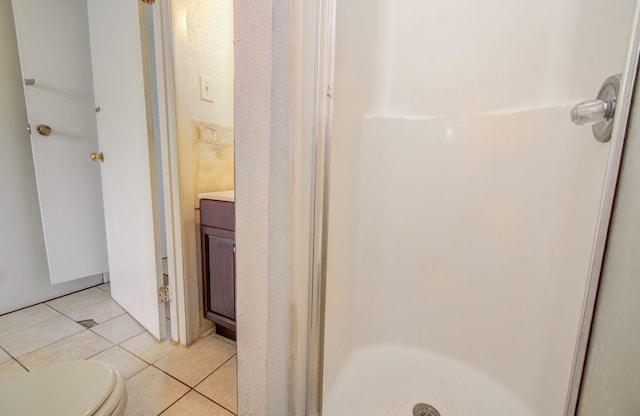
[[120, 69], [71, 49], [54, 54]]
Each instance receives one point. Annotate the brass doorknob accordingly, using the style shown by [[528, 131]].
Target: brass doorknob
[[43, 130], [97, 156]]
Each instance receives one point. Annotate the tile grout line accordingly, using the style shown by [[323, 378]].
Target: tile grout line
[[37, 323], [132, 336], [54, 342], [97, 323], [51, 343], [73, 293], [14, 359], [211, 400], [69, 294], [194, 387], [147, 365], [86, 306], [220, 366], [49, 300], [179, 381], [176, 401], [136, 355], [69, 336], [173, 377], [216, 369], [30, 326], [104, 290], [123, 348], [63, 315]]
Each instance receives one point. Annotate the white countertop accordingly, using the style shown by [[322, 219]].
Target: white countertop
[[219, 196]]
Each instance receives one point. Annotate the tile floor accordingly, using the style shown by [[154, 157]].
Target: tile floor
[[162, 378]]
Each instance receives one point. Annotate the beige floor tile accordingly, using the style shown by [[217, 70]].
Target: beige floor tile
[[221, 386], [191, 365], [118, 329], [151, 391], [10, 369], [76, 347], [37, 336], [148, 348], [124, 361], [106, 287], [26, 317], [99, 312], [221, 338], [4, 357], [195, 404], [78, 300]]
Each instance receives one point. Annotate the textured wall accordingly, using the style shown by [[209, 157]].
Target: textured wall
[[210, 43], [262, 205], [210, 33]]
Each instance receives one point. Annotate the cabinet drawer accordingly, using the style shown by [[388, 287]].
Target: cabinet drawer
[[220, 214]]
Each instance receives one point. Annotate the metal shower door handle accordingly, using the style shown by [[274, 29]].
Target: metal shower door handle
[[600, 111]]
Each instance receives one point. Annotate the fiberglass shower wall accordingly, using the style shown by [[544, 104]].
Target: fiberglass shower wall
[[463, 202]]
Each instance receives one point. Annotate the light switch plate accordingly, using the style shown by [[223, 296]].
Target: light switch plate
[[206, 88]]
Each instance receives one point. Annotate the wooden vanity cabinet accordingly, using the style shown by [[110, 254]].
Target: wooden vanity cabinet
[[217, 226]]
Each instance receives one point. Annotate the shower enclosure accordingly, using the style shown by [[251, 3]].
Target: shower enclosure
[[461, 214]]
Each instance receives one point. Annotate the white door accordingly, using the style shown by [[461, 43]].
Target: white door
[[66, 46], [125, 132], [54, 52]]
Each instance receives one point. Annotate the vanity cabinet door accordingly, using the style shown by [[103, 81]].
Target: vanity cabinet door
[[217, 220], [220, 271]]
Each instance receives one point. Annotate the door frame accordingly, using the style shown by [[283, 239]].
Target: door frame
[[179, 316], [618, 136]]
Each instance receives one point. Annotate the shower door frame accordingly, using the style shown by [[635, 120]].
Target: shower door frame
[[324, 16], [618, 136]]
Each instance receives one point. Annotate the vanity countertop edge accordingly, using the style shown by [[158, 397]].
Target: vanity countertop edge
[[218, 196]]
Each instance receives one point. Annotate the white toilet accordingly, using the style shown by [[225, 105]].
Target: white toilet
[[75, 388]]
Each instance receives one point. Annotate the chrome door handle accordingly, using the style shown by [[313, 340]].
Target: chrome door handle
[[593, 111], [600, 111]]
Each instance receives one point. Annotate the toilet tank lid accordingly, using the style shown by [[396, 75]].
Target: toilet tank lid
[[70, 388]]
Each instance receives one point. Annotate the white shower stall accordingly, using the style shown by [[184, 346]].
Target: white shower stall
[[462, 202]]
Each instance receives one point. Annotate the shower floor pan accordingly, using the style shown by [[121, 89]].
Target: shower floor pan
[[390, 380]]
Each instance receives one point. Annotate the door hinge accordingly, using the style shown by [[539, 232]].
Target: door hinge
[[149, 1], [163, 294]]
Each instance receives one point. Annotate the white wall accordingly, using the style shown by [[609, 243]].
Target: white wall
[[263, 186], [210, 38], [463, 202], [24, 275]]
